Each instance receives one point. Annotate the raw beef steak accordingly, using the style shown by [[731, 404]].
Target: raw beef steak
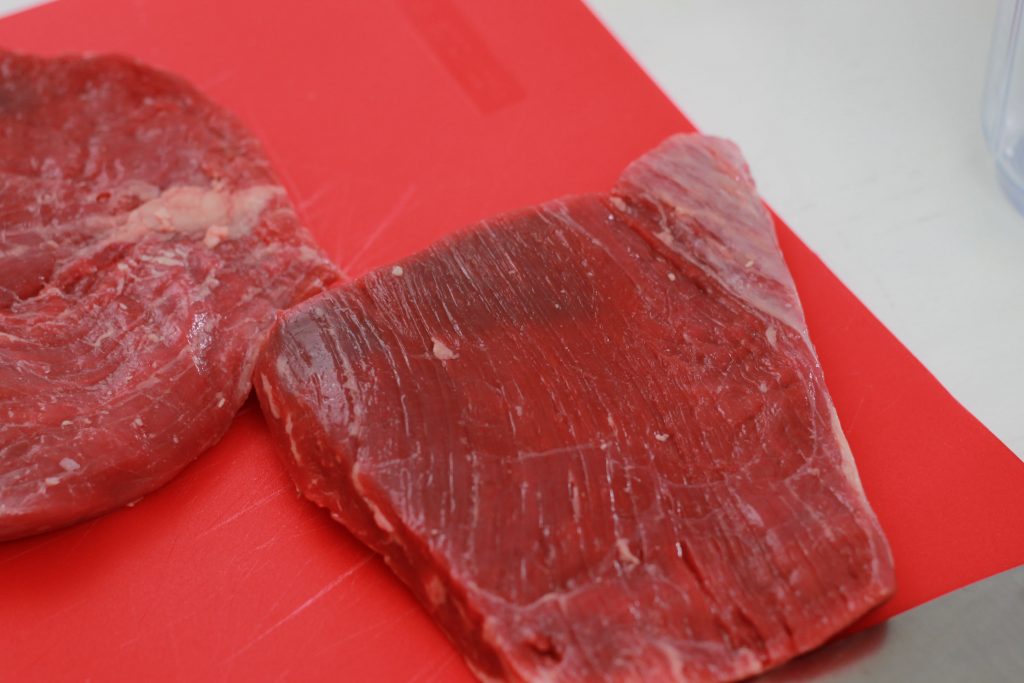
[[145, 244], [592, 436]]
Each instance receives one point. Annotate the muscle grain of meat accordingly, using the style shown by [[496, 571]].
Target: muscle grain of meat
[[145, 244], [592, 436]]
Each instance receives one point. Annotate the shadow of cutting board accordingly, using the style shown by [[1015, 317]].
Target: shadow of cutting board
[[393, 123]]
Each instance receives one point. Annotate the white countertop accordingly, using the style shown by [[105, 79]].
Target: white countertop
[[861, 122]]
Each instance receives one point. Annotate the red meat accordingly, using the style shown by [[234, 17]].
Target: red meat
[[592, 436], [145, 244]]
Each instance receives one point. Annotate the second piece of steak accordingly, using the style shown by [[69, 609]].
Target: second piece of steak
[[593, 436], [145, 244]]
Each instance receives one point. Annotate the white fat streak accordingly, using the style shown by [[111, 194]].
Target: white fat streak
[[661, 436], [625, 554], [356, 484], [69, 465], [269, 393], [378, 517], [442, 351], [771, 335], [397, 271], [293, 445], [672, 658], [112, 329], [162, 260], [216, 213], [751, 514]]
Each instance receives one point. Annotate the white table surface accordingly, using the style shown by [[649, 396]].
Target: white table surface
[[861, 122]]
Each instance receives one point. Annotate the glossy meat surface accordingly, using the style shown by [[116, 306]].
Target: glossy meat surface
[[592, 436], [145, 244]]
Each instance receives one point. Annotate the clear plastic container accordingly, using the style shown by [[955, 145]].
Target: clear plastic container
[[1003, 107], [1004, 104]]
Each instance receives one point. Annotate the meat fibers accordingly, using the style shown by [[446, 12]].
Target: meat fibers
[[592, 437], [145, 244]]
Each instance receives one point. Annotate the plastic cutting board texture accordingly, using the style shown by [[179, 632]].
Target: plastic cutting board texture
[[392, 123]]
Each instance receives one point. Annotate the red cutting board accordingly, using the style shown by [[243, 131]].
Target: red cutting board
[[393, 123]]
